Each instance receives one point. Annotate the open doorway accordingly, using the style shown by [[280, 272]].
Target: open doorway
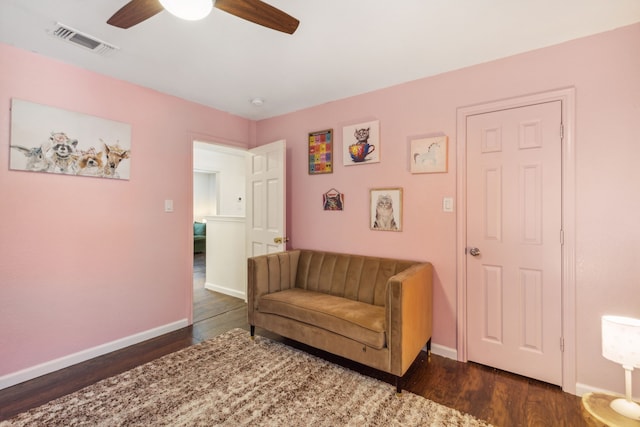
[[204, 206], [218, 218], [249, 219]]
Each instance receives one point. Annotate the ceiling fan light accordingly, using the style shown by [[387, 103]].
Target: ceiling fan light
[[191, 10]]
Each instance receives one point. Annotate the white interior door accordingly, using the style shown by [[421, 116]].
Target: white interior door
[[266, 199], [514, 240]]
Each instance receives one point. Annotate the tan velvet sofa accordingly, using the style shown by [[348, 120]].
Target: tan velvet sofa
[[375, 311]]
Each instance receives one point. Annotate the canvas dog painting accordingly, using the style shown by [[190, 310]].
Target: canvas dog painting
[[56, 141], [90, 163]]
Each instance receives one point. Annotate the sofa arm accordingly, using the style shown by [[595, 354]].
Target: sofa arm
[[409, 315], [269, 273]]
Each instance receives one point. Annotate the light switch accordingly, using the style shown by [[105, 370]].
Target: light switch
[[168, 205], [447, 204]]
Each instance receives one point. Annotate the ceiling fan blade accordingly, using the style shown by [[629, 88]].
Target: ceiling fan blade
[[135, 12], [259, 13]]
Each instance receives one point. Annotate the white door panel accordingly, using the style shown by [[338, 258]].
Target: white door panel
[[514, 219], [266, 199]]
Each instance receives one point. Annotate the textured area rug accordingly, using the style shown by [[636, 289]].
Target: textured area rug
[[231, 380]]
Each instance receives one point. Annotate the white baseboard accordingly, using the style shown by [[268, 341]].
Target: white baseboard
[[226, 291], [84, 355], [582, 389], [448, 352]]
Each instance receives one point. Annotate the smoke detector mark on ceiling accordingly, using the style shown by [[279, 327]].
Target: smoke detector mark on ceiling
[[71, 35]]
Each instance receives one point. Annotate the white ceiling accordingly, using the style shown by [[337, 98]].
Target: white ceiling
[[341, 48]]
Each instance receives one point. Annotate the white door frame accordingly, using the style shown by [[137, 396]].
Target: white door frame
[[219, 145], [567, 96]]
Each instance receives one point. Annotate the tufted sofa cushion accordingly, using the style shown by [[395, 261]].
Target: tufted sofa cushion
[[359, 321], [375, 311]]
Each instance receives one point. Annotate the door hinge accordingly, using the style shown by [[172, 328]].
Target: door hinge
[[561, 237], [561, 131], [562, 344]]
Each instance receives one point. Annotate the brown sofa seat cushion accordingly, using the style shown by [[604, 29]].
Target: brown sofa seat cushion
[[356, 320]]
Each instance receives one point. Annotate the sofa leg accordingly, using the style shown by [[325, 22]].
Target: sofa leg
[[252, 332], [429, 347], [398, 386]]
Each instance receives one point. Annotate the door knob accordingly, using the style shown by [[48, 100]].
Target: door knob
[[280, 240], [474, 251]]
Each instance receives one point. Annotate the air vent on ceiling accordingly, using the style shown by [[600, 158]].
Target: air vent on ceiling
[[71, 35]]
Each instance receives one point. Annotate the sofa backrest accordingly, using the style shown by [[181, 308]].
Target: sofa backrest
[[357, 277]]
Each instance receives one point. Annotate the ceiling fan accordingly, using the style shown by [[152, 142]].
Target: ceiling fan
[[254, 11]]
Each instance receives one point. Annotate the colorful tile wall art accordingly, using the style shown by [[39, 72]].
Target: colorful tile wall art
[[321, 152]]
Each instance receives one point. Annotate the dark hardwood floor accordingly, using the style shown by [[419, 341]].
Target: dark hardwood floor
[[499, 397], [207, 304]]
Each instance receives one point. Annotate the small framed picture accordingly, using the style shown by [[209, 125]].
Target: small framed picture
[[333, 200], [429, 154], [386, 209], [321, 152], [361, 143]]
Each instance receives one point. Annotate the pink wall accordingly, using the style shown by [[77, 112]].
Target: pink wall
[[86, 261], [77, 272], [604, 69]]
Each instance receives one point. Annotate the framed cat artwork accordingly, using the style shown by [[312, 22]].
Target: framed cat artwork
[[361, 143], [385, 209], [333, 200]]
